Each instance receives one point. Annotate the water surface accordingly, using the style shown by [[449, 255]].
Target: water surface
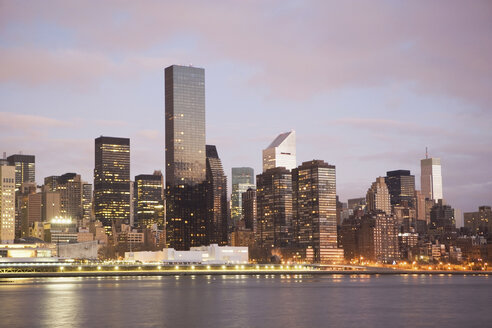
[[248, 301]]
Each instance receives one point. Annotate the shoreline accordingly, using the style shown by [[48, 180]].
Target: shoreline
[[169, 273]]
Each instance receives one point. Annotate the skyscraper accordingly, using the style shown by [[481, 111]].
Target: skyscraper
[[281, 152], [86, 204], [25, 168], [274, 208], [149, 194], [112, 181], [315, 217], [378, 197], [185, 156], [431, 178], [7, 204], [242, 180], [249, 209], [216, 193], [401, 187]]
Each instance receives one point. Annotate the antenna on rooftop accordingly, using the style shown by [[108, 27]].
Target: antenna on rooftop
[[426, 153]]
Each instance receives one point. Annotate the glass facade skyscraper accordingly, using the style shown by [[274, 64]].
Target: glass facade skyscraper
[[274, 208], [185, 156], [242, 179], [149, 194], [25, 168], [112, 181], [401, 186], [216, 193], [314, 207], [431, 178]]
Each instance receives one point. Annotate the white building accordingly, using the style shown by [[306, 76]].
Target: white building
[[431, 178], [213, 254], [7, 204], [281, 152]]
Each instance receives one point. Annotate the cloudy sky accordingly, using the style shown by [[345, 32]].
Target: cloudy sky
[[367, 85]]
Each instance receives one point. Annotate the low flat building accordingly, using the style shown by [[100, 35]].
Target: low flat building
[[213, 254]]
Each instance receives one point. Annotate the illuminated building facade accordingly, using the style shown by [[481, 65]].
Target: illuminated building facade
[[274, 208], [216, 194], [314, 208], [185, 156], [7, 204], [479, 222], [401, 187], [281, 152], [86, 204], [378, 197], [112, 181], [431, 178], [149, 193], [25, 168], [242, 179]]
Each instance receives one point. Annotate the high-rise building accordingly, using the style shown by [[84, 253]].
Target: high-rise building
[[185, 156], [112, 181], [242, 180], [25, 168], [249, 209], [431, 178], [479, 222], [216, 193], [7, 204], [149, 193], [401, 187], [86, 204], [70, 186], [378, 197], [51, 204], [442, 218], [377, 237], [281, 152], [274, 208], [315, 212]]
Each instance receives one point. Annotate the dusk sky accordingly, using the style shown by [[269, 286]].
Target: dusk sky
[[366, 85]]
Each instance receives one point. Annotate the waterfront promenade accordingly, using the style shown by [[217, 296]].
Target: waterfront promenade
[[20, 270]]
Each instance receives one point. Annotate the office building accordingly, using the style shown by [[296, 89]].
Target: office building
[[7, 204], [479, 222], [149, 196], [401, 187], [25, 168], [378, 197], [281, 152], [86, 204], [185, 156], [216, 194], [112, 181], [377, 238], [315, 212], [274, 208], [431, 178], [442, 218], [242, 180], [249, 209]]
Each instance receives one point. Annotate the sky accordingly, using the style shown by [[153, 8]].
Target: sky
[[366, 85]]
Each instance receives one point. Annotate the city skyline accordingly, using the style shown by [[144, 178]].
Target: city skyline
[[345, 112]]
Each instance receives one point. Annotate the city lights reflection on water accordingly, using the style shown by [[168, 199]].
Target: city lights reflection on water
[[286, 300]]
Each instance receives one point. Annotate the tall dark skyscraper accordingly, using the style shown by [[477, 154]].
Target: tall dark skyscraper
[[314, 207], [401, 187], [242, 179], [25, 168], [185, 156], [112, 181], [274, 208], [216, 193], [149, 194]]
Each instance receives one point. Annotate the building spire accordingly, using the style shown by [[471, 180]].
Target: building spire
[[426, 153]]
